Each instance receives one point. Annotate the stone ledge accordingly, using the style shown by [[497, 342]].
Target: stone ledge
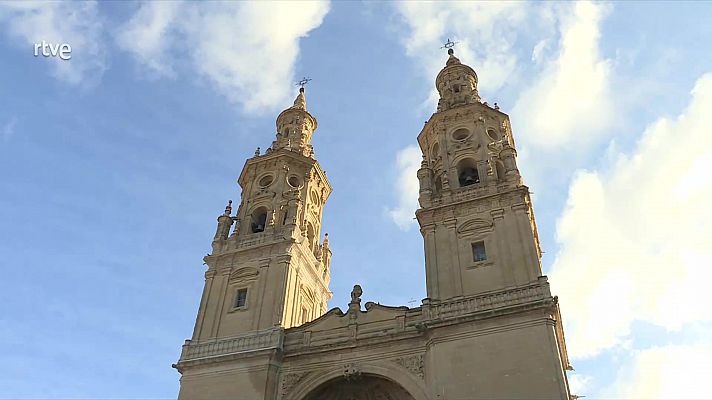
[[250, 342], [441, 310]]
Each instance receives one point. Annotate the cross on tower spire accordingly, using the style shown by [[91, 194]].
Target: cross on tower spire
[[449, 45], [303, 82]]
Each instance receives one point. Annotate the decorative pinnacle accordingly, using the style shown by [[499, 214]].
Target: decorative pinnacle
[[356, 295], [228, 208], [301, 102]]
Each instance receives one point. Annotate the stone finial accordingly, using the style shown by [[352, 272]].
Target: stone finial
[[452, 60], [257, 152], [228, 208], [300, 102], [356, 295], [496, 106], [326, 240]]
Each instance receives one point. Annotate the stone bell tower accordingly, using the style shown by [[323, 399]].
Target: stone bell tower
[[482, 255], [476, 215], [272, 272]]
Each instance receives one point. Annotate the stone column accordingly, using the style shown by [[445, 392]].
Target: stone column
[[200, 319], [431, 273]]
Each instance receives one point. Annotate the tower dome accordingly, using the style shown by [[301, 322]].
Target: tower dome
[[295, 127], [456, 83]]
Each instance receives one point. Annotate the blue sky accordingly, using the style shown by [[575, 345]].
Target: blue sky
[[115, 164]]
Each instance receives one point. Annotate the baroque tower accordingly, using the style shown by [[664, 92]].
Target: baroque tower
[[272, 271], [475, 213], [489, 327]]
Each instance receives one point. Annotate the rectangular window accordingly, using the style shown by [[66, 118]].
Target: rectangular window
[[241, 298], [478, 251]]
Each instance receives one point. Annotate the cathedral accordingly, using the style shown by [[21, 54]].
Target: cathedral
[[489, 327]]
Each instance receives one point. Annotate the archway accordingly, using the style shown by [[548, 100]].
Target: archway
[[393, 373], [362, 387]]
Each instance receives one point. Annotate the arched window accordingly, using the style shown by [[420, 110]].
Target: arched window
[[259, 220], [467, 172]]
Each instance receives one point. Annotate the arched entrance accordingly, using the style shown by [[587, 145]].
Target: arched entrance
[[363, 387]]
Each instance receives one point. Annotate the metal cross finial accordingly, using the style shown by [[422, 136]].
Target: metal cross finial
[[303, 82], [449, 44]]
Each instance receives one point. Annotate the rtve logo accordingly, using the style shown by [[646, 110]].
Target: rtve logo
[[63, 51]]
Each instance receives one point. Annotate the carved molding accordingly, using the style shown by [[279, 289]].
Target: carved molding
[[474, 225], [415, 364], [290, 380], [243, 274]]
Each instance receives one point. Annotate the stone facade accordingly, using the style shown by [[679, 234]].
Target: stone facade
[[489, 328]]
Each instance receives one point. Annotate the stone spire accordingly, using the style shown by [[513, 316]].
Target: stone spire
[[224, 223], [456, 83], [295, 127], [300, 102]]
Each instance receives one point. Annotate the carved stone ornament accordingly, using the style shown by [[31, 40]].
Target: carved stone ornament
[[474, 225], [246, 273], [414, 364], [352, 371], [290, 380], [356, 294]]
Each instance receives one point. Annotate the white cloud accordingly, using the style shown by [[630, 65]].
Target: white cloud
[[407, 162], [149, 34], [635, 238], [668, 372], [75, 23], [570, 101], [578, 383], [486, 32], [247, 50]]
